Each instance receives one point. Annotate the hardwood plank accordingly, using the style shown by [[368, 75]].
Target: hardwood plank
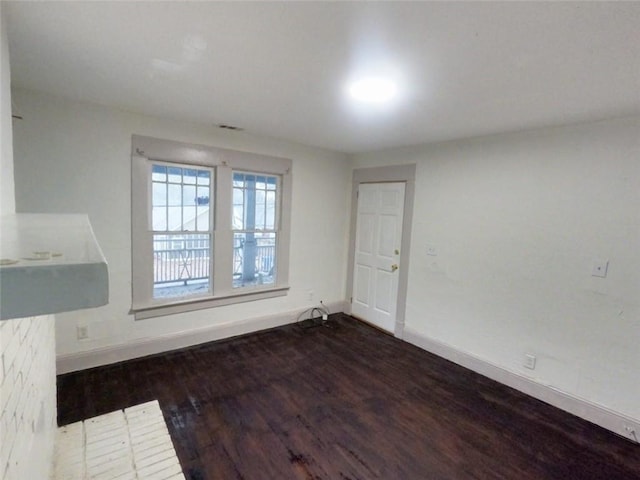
[[346, 402]]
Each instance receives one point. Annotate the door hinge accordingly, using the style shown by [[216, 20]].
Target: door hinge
[[351, 300]]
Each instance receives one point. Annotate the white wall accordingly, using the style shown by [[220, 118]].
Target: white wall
[[7, 197], [75, 157], [28, 398], [517, 221], [27, 347]]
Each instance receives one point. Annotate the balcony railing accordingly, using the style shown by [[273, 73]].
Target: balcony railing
[[183, 266], [174, 266]]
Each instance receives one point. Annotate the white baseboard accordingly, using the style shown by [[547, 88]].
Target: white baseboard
[[162, 343], [580, 407]]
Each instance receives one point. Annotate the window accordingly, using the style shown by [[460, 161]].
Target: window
[[209, 226], [254, 229], [182, 230]]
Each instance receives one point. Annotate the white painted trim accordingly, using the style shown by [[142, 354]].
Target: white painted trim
[[577, 406], [245, 295], [147, 150], [162, 343], [395, 173]]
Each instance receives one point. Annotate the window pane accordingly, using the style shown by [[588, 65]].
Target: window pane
[[175, 174], [270, 221], [254, 259], [202, 197], [181, 265], [259, 223], [238, 196], [238, 209], [254, 202], [189, 218], [159, 173], [159, 194], [254, 211], [159, 218], [238, 179], [175, 219], [189, 176], [175, 195], [186, 192], [238, 221], [260, 210], [189, 195], [204, 177], [202, 218]]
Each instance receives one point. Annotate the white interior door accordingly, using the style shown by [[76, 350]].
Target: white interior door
[[377, 253]]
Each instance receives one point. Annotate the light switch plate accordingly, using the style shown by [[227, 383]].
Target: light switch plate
[[529, 361], [82, 332]]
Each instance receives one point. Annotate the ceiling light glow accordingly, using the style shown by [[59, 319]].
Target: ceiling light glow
[[373, 90]]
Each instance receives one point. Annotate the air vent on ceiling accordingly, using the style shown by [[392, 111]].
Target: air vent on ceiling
[[230, 127]]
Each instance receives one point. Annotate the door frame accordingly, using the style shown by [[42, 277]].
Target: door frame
[[396, 173]]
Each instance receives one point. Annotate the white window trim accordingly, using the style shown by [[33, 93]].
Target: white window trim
[[146, 150]]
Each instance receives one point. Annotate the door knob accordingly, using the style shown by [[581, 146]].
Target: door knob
[[394, 267]]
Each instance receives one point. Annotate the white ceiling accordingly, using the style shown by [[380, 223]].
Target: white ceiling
[[279, 68]]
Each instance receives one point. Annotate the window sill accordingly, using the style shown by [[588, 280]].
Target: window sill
[[193, 304]]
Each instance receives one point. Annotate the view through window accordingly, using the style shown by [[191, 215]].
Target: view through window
[[210, 226], [182, 230], [254, 229]]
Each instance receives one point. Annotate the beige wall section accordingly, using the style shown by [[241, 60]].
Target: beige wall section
[[75, 157], [7, 197], [516, 221]]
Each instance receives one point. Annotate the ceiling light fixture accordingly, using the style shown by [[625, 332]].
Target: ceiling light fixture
[[373, 90]]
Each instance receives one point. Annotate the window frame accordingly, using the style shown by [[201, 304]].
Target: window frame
[[276, 219], [145, 151], [210, 231]]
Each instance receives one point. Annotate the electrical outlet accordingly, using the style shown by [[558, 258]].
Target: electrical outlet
[[529, 361], [310, 295], [82, 332]]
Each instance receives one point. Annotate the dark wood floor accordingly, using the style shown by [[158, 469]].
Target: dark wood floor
[[346, 402]]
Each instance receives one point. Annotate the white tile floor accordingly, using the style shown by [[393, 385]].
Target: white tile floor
[[130, 444]]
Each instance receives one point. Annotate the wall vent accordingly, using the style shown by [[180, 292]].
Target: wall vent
[[230, 127]]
